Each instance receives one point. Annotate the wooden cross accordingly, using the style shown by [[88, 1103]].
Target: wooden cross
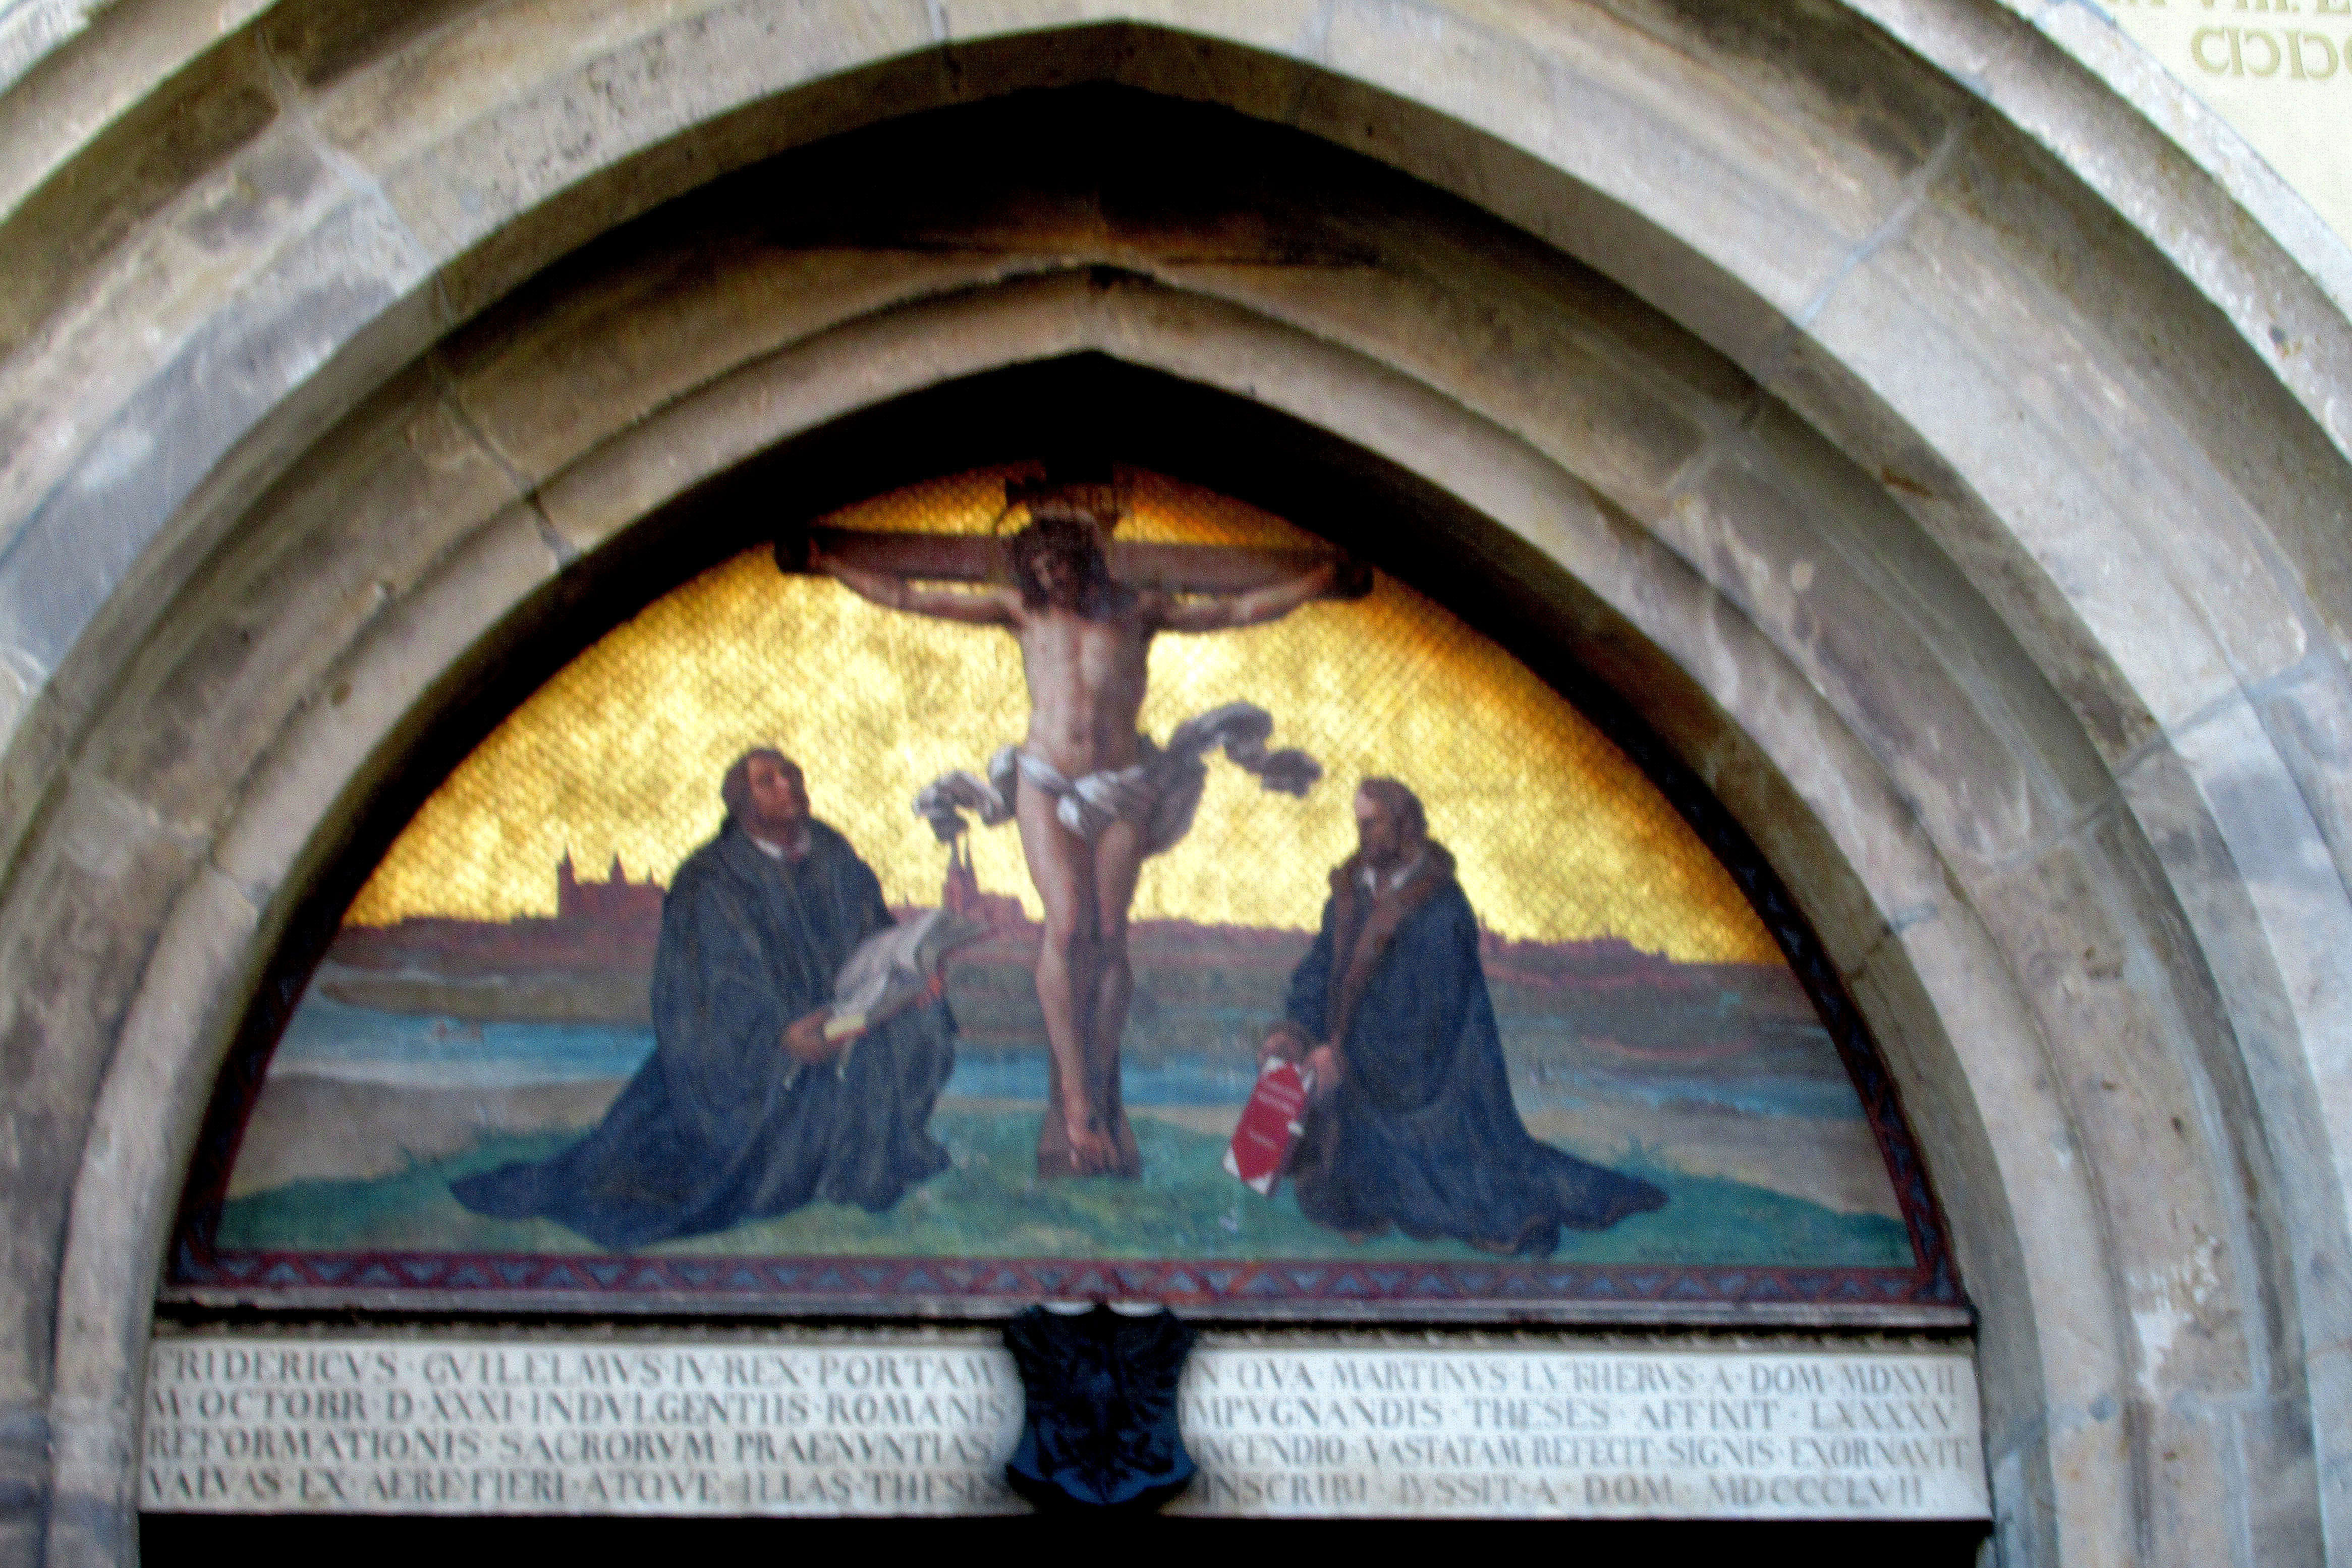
[[987, 558]]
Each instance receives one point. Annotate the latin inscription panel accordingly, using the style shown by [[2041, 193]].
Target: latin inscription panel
[[399, 1424]]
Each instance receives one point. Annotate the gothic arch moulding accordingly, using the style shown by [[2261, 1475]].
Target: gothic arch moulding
[[1802, 394]]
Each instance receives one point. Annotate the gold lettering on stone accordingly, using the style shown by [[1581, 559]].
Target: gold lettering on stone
[[2278, 70]]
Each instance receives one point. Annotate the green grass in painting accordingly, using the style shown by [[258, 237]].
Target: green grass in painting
[[990, 1204]]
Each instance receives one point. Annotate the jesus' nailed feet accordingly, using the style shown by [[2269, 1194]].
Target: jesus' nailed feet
[[1056, 1159]]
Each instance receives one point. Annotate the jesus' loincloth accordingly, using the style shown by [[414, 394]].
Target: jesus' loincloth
[[1159, 793]]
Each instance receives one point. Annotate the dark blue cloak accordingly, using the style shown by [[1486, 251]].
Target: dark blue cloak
[[720, 1126], [1421, 1133]]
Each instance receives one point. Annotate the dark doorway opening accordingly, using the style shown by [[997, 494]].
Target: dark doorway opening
[[171, 1539]]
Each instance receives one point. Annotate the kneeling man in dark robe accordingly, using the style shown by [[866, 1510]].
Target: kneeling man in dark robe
[[745, 1109], [1410, 1121]]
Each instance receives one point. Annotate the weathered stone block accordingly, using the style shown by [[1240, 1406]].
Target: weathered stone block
[[2084, 926], [61, 222], [2275, 1473], [653, 335], [73, 550], [405, 481], [2306, 713], [338, 735]]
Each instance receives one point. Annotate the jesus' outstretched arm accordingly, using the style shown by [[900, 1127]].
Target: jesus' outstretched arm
[[986, 606], [1259, 605]]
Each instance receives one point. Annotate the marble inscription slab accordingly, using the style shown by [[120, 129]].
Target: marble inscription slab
[[387, 1423]]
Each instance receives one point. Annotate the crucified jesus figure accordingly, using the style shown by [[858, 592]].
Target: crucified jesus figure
[[1089, 802]]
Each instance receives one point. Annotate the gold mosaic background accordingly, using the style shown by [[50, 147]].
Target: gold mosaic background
[[1558, 836]]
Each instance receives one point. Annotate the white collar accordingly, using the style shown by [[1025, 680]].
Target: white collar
[[792, 851], [1376, 884]]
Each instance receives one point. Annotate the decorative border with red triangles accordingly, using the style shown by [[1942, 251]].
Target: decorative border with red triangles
[[1530, 1289]]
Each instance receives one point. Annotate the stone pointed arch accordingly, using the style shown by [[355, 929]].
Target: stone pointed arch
[[1968, 512]]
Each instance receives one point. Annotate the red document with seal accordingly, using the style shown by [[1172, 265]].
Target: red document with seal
[[1269, 1125]]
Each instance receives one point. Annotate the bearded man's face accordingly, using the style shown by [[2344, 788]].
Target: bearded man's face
[[1380, 832], [1061, 573], [778, 799]]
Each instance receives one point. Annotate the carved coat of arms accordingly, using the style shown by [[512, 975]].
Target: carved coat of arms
[[1100, 1429]]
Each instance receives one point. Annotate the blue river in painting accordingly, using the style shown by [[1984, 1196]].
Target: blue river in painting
[[335, 1040]]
